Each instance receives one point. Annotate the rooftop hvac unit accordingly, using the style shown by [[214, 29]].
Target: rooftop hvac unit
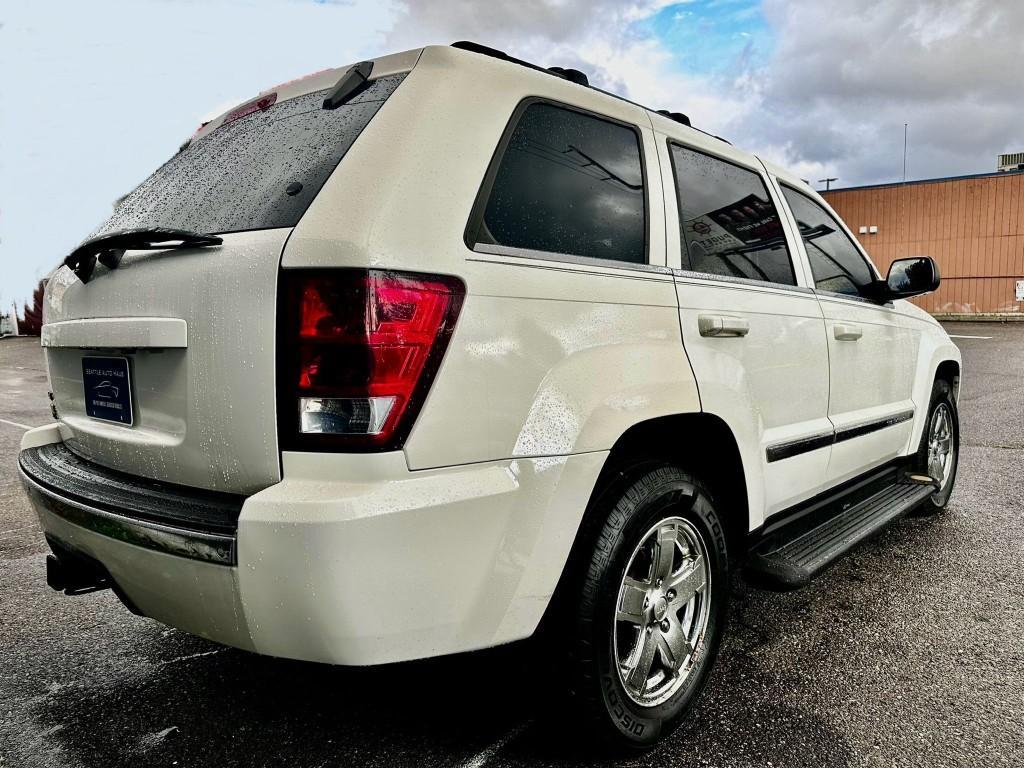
[[1011, 162]]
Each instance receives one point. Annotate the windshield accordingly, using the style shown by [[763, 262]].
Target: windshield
[[260, 171]]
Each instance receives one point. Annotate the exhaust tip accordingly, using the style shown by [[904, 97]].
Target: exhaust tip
[[73, 576]]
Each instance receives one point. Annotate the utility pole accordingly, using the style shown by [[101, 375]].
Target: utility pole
[[828, 182], [905, 153]]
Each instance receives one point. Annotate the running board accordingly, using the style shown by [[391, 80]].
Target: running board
[[790, 556]]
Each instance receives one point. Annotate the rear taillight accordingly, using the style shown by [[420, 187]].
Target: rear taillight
[[357, 351]]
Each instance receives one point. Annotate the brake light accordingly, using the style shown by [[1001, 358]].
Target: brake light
[[358, 350], [259, 104]]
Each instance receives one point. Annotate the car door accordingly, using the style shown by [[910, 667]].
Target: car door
[[752, 329], [872, 354]]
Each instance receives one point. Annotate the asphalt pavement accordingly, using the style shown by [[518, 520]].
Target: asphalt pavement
[[910, 652]]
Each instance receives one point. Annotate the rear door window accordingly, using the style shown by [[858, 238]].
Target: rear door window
[[836, 264], [729, 224], [568, 183], [260, 171]]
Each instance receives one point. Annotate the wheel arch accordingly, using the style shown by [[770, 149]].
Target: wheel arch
[[699, 442], [949, 370]]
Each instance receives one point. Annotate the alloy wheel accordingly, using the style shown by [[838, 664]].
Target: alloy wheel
[[662, 611]]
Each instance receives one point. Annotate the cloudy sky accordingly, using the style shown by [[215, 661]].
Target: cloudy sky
[[95, 94]]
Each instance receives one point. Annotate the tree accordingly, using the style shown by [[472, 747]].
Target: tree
[[31, 321]]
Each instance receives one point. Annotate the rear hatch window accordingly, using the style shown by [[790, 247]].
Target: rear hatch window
[[260, 171]]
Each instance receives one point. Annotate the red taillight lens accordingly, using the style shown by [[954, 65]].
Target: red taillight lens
[[357, 352]]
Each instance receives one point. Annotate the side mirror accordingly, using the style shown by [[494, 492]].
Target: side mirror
[[912, 277]]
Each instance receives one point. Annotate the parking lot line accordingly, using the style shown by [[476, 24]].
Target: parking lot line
[[15, 424], [955, 336], [484, 756]]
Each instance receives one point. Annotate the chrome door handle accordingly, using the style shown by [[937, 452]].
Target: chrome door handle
[[844, 332], [722, 325]]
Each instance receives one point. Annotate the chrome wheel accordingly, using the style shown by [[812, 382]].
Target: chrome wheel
[[940, 445], [662, 611]]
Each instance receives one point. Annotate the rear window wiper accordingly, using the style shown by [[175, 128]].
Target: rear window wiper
[[352, 83], [110, 247]]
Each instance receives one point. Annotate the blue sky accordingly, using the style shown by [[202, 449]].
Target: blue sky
[[95, 94], [713, 37]]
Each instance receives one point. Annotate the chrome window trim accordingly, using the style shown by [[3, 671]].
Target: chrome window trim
[[492, 249], [744, 282], [841, 297]]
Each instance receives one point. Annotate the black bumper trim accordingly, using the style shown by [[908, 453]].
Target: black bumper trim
[[151, 527]]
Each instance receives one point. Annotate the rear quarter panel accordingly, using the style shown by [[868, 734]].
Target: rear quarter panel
[[549, 356]]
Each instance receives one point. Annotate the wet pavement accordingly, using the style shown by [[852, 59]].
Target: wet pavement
[[910, 652]]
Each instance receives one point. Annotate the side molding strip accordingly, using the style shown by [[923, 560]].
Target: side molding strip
[[813, 443], [796, 447]]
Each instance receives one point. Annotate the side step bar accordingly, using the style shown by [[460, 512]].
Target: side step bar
[[790, 556]]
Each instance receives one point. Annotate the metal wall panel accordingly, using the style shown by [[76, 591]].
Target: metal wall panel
[[972, 226]]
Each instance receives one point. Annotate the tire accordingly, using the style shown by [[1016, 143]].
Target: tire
[[942, 403], [651, 511]]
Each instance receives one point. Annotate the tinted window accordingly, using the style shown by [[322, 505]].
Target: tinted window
[[568, 183], [836, 263], [235, 178], [729, 224]]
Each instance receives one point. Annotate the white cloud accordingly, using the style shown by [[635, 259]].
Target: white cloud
[[595, 37], [102, 92], [95, 95], [847, 75]]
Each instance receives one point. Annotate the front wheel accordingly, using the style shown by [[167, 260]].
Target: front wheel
[[652, 606], [939, 452]]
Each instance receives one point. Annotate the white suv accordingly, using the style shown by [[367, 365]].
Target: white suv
[[443, 349]]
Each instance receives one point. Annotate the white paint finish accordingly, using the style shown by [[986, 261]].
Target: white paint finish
[[39, 436], [532, 331], [748, 381], [459, 103], [382, 67], [197, 597], [751, 382], [205, 414], [415, 565], [935, 347], [872, 378], [117, 333], [458, 541], [544, 376]]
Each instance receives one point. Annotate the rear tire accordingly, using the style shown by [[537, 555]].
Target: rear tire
[[938, 455], [646, 624]]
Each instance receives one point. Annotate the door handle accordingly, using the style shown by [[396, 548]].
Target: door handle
[[722, 325], [844, 332]]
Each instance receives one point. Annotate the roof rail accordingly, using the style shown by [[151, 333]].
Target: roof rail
[[494, 53], [679, 117], [573, 76]]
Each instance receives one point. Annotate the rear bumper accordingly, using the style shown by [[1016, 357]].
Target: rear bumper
[[350, 559], [157, 516]]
